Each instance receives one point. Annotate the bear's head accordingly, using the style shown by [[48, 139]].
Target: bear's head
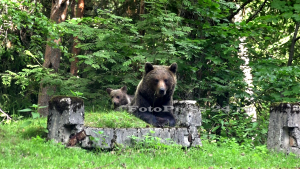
[[160, 79], [118, 96]]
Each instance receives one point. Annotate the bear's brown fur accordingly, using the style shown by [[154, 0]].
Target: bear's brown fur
[[153, 100], [119, 97]]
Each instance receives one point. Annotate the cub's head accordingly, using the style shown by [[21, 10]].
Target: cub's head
[[118, 96], [160, 79]]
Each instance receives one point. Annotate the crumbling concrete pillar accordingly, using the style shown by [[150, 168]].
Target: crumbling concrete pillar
[[284, 127], [66, 118], [187, 113]]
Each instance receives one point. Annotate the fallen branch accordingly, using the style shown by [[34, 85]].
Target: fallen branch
[[7, 116]]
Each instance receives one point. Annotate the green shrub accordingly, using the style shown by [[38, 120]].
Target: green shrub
[[234, 124]]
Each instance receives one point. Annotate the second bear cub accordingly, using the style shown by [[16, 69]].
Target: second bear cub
[[119, 96]]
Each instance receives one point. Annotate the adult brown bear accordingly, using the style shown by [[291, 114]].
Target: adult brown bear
[[119, 97], [153, 100]]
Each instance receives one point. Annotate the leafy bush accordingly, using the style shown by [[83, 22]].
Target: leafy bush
[[274, 83], [35, 115], [233, 123]]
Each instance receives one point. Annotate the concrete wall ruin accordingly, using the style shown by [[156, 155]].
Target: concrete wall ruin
[[66, 125], [284, 124]]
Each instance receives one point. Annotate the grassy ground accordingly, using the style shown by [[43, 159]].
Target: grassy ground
[[27, 148], [113, 119]]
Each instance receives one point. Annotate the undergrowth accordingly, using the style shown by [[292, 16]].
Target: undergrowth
[[27, 148]]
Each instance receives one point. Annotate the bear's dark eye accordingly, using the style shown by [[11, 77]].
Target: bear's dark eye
[[166, 80], [118, 97], [156, 80]]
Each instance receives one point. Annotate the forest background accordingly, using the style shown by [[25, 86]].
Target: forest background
[[60, 47]]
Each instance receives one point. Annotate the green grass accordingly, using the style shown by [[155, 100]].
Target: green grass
[[27, 148], [113, 119]]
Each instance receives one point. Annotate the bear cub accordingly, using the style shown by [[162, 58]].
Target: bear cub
[[119, 96], [153, 100]]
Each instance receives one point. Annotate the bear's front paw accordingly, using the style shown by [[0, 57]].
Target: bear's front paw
[[161, 122]]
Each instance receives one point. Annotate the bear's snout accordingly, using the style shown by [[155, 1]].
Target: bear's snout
[[162, 91], [116, 104], [115, 101]]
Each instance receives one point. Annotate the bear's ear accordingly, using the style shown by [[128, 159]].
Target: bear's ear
[[173, 67], [108, 90], [148, 67], [124, 89]]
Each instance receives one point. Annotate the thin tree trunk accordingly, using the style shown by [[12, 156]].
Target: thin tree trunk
[[52, 55], [142, 11], [243, 54], [292, 49], [75, 51], [142, 7]]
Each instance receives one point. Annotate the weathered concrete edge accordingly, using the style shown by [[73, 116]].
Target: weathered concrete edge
[[107, 138], [281, 107]]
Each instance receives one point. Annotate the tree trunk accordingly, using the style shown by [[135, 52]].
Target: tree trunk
[[52, 55], [142, 11], [75, 51], [243, 54], [292, 49]]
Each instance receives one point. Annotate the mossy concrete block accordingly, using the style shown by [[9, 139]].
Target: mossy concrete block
[[66, 117], [144, 132], [195, 136], [284, 127], [181, 136], [187, 113], [126, 137], [164, 135], [98, 138]]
